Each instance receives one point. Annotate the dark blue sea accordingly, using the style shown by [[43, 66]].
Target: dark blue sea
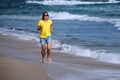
[[89, 28]]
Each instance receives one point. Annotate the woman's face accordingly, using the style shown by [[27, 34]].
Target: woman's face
[[46, 16]]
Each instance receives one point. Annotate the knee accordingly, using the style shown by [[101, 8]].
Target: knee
[[48, 49], [43, 48]]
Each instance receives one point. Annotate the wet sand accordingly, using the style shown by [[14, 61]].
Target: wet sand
[[13, 69], [26, 63]]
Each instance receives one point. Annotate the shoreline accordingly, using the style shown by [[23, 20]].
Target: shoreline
[[33, 47], [67, 66]]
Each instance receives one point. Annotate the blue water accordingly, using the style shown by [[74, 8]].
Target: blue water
[[81, 27]]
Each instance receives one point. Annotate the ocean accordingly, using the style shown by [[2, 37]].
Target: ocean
[[89, 28]]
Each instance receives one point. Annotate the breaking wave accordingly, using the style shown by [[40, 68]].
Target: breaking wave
[[66, 2]]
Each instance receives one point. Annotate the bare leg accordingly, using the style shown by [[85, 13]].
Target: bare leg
[[49, 51], [43, 53]]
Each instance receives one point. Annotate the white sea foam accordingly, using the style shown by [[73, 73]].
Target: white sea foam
[[67, 2], [19, 34], [19, 17], [70, 49], [69, 16], [98, 54]]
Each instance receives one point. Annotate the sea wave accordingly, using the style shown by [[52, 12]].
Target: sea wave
[[69, 49], [19, 17], [69, 16], [101, 55], [20, 34], [70, 2]]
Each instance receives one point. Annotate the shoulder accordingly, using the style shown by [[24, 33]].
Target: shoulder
[[50, 21], [40, 20]]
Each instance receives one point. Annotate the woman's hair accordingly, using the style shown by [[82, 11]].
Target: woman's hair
[[44, 13]]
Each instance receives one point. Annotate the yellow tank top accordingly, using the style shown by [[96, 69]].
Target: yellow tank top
[[45, 31]]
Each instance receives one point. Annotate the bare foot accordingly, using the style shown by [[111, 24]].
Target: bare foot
[[49, 60], [43, 61]]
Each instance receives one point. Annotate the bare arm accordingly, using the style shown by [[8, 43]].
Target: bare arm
[[51, 28]]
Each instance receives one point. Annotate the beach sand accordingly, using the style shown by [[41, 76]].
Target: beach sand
[[21, 60], [12, 69]]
